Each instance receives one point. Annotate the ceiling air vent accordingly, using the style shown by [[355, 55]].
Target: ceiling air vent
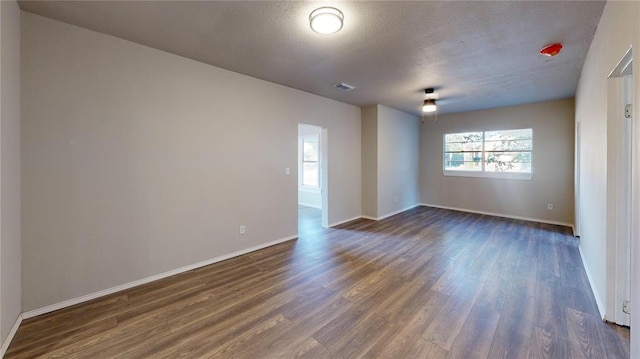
[[345, 86]]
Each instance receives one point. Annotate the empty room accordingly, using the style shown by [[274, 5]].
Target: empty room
[[336, 179]]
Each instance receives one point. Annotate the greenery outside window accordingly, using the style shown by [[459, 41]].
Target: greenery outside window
[[493, 154]]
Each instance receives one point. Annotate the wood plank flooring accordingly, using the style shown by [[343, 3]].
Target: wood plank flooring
[[426, 283]]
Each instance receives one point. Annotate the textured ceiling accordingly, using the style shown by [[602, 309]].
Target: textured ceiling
[[476, 54]]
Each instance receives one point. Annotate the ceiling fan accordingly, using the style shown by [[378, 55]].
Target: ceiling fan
[[429, 105]]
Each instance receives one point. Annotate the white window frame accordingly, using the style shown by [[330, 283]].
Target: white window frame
[[302, 187], [482, 173]]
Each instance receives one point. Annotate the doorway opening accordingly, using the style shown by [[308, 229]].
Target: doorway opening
[[619, 191], [312, 178]]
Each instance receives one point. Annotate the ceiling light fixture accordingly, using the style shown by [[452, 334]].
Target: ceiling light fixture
[[429, 104], [326, 20]]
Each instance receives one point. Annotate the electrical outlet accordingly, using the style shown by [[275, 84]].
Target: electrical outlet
[[395, 199], [550, 207], [242, 229], [287, 171]]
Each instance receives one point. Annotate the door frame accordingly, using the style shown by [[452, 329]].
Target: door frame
[[620, 188], [323, 157], [324, 177]]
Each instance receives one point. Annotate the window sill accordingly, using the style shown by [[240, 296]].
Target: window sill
[[492, 175]]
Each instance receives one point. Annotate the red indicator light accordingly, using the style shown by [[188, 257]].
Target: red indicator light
[[551, 50]]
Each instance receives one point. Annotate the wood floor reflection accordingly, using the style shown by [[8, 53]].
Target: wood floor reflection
[[427, 283]]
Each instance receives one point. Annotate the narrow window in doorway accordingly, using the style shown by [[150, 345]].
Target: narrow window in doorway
[[310, 167]]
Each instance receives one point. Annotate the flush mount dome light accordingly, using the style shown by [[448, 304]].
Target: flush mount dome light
[[326, 20]]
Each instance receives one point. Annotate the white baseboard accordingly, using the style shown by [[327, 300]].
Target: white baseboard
[[539, 220], [392, 213], [594, 290], [376, 218], [91, 296], [9, 338], [398, 211], [345, 221]]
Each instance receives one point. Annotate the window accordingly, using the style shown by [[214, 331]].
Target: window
[[498, 154], [310, 167]]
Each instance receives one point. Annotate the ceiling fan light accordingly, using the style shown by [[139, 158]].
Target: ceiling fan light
[[429, 105], [326, 20]]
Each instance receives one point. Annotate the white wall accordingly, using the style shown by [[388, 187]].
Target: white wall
[[370, 161], [309, 199], [390, 161], [552, 182], [10, 253], [136, 161], [398, 161], [619, 29]]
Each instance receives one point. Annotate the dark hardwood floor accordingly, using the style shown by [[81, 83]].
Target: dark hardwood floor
[[427, 283]]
